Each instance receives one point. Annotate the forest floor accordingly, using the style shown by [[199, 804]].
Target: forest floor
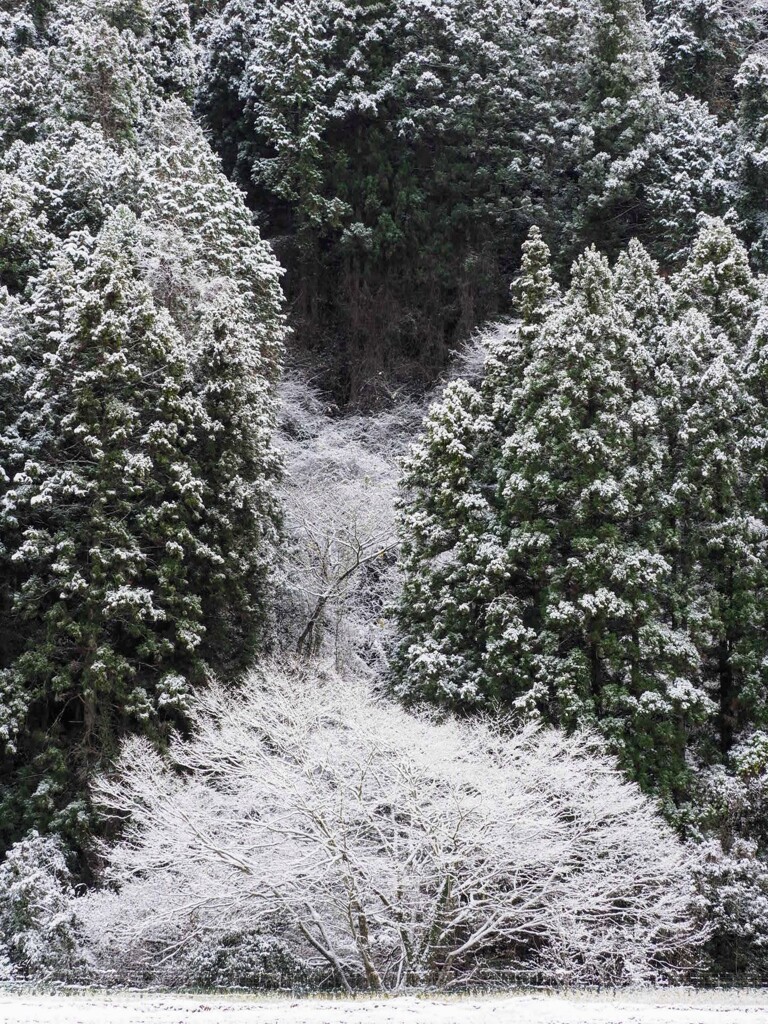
[[669, 1006]]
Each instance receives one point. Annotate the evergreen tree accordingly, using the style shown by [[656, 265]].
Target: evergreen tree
[[237, 534], [27, 87], [172, 57], [14, 379], [74, 176], [554, 86], [608, 152], [107, 503], [684, 167], [454, 589], [701, 44], [140, 351], [397, 152], [715, 541], [534, 290], [717, 281], [752, 85], [539, 576], [579, 469], [229, 39], [25, 241], [617, 112], [101, 76], [381, 162], [462, 625]]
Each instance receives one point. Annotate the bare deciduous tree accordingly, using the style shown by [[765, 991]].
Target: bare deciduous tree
[[394, 849], [339, 490]]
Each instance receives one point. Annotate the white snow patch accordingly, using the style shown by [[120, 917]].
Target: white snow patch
[[651, 1007]]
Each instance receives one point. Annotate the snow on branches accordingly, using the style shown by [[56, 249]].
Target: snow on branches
[[389, 849]]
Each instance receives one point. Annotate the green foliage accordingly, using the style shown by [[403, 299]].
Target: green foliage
[[583, 532], [140, 337], [248, 960], [584, 541], [752, 121], [108, 498], [397, 153], [701, 44]]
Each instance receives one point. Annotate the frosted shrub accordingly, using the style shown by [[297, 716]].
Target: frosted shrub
[[730, 822], [247, 960], [386, 849], [37, 919], [7, 971]]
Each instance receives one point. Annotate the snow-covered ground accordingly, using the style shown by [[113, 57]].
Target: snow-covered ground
[[665, 1007]]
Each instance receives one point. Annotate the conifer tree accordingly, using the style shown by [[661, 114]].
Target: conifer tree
[[534, 294], [579, 469], [336, 145], [107, 503], [230, 37], [567, 575], [752, 120], [24, 237], [454, 566], [701, 44], [140, 350], [534, 290], [596, 96], [238, 531], [554, 86], [716, 558], [685, 166], [717, 280], [100, 73], [14, 379], [172, 57]]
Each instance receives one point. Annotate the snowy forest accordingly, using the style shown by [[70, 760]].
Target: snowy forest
[[383, 493]]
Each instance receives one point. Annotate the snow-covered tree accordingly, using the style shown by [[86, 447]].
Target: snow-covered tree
[[337, 574], [14, 379], [727, 818], [684, 165], [172, 55], [717, 281], [238, 529], [101, 78], [616, 114], [107, 503], [389, 849], [752, 84], [375, 153], [398, 151], [608, 153], [229, 38], [720, 542], [701, 43], [535, 565], [38, 929], [141, 349], [144, 508], [454, 567], [25, 240]]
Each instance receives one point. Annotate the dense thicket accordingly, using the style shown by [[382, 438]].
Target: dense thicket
[[140, 329], [398, 151], [585, 529]]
